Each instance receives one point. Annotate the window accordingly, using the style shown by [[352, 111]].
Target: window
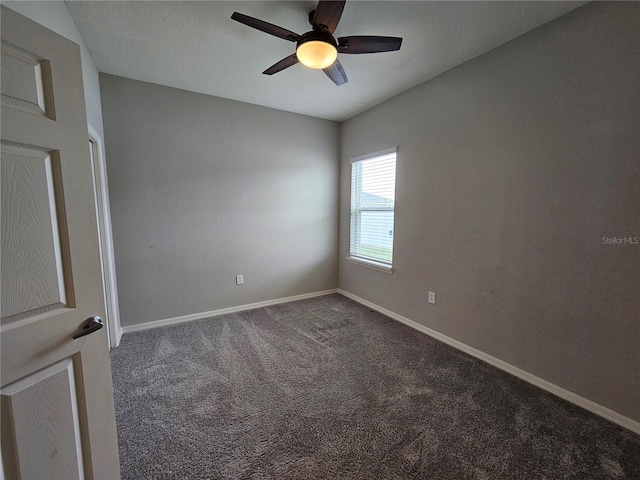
[[373, 187]]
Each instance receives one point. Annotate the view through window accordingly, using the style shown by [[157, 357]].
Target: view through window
[[373, 183]]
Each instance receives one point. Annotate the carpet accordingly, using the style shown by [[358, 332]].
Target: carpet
[[326, 388]]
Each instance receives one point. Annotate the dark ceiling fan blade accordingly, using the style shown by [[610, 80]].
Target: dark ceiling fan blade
[[368, 44], [327, 15], [282, 64], [265, 27], [336, 73]]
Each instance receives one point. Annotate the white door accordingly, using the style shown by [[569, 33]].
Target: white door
[[57, 416]]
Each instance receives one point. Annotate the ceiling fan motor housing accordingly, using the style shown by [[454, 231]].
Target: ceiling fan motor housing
[[318, 37]]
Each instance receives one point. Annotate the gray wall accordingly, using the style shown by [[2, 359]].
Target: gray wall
[[511, 168], [204, 188]]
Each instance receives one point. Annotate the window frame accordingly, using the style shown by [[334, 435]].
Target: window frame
[[363, 260]]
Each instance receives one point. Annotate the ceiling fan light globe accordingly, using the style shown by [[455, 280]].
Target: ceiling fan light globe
[[316, 54]]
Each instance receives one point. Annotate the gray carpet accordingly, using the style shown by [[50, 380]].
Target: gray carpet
[[326, 388]]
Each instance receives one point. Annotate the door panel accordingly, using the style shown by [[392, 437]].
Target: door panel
[[33, 277], [26, 81], [44, 421], [57, 418]]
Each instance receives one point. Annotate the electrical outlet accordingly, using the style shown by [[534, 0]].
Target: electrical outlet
[[432, 297], [239, 280]]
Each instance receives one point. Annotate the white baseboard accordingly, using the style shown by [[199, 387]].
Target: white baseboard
[[119, 335], [593, 407], [222, 311]]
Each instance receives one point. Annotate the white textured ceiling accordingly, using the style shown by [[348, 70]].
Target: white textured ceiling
[[196, 46]]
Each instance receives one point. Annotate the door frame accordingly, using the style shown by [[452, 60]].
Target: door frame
[[107, 257]]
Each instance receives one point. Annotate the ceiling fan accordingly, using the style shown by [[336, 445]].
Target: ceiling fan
[[318, 48]]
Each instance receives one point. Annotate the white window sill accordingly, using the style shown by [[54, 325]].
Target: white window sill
[[381, 267]]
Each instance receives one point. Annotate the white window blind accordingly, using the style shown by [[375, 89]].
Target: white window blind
[[373, 188]]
